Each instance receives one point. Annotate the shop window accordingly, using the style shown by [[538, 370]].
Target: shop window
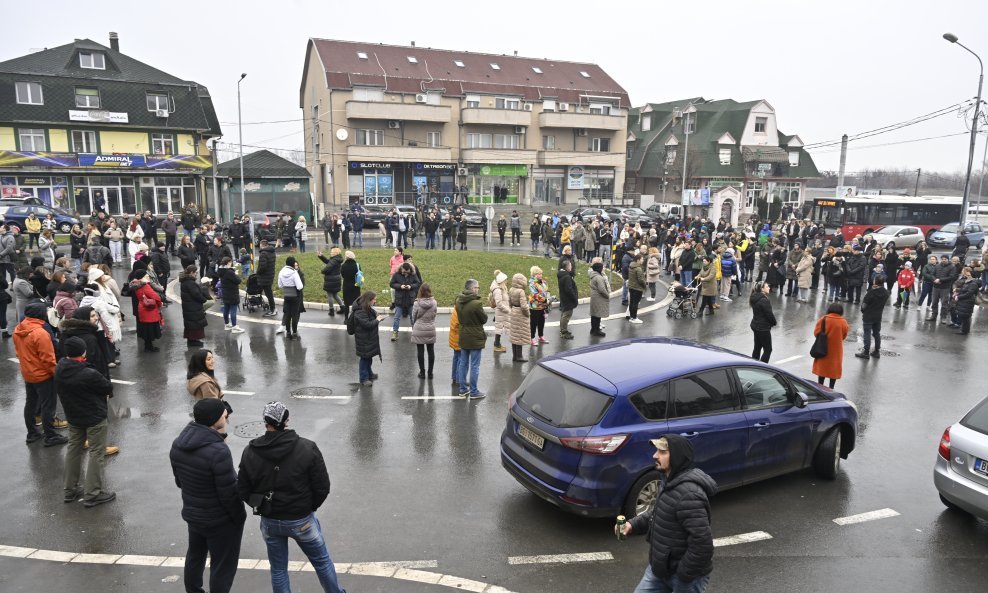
[[32, 139], [29, 93], [160, 101], [793, 158], [370, 137], [162, 144], [511, 141], [725, 156], [84, 141], [434, 139], [507, 103], [646, 123], [760, 124], [548, 143], [600, 145], [92, 60], [479, 141], [87, 98]]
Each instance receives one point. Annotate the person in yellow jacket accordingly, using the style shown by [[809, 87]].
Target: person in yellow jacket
[[566, 236], [743, 246], [716, 264], [454, 342], [33, 225]]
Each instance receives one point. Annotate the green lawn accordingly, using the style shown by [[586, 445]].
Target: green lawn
[[444, 271]]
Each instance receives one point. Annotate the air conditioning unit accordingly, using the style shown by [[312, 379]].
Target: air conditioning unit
[[161, 113], [519, 129], [581, 131], [564, 106], [527, 106], [394, 125], [462, 171], [421, 98]]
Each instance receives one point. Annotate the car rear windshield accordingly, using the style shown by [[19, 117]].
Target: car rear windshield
[[977, 419], [559, 401]]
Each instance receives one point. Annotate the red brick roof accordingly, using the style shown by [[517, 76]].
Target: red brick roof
[[388, 66]]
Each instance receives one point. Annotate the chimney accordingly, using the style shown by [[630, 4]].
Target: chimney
[[114, 41], [413, 44], [516, 52]]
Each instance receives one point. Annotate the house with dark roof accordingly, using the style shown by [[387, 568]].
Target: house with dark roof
[[719, 158], [271, 184], [83, 125], [394, 124]]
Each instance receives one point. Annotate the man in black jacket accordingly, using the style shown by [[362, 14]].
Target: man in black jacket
[[872, 307], [162, 267], [289, 474], [681, 547], [855, 269], [201, 244], [83, 392], [211, 505], [568, 297], [945, 274], [265, 274]]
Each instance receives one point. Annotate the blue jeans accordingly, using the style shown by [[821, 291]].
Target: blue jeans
[[456, 365], [230, 313], [399, 312], [469, 361], [430, 241], [307, 533], [358, 238], [653, 584], [872, 329], [624, 291], [686, 277], [926, 294], [365, 369]]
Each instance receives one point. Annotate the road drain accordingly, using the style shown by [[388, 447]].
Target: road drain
[[250, 430], [312, 393]]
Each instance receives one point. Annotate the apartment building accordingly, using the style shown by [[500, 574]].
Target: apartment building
[[394, 124], [83, 122]]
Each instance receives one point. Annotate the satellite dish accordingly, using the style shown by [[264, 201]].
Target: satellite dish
[[342, 134]]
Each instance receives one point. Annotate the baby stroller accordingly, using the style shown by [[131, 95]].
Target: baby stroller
[[253, 300], [683, 303]]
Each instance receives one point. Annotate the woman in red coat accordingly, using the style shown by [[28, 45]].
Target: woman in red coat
[[831, 365], [148, 313]]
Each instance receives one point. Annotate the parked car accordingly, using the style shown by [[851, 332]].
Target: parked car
[[473, 217], [898, 236], [373, 214], [265, 225], [590, 213], [947, 235], [631, 215], [16, 215], [960, 473], [578, 427], [20, 201], [664, 211]]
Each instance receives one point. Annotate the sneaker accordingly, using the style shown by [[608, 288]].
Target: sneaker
[[730, 300], [34, 437], [55, 441], [280, 330], [101, 498], [543, 340], [394, 336], [463, 393], [636, 321], [478, 395], [724, 298], [566, 336], [112, 365], [72, 496], [270, 314], [650, 299], [237, 330], [535, 342], [228, 326], [598, 334], [60, 424]]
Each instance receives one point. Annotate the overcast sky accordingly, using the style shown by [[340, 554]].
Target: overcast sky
[[828, 67]]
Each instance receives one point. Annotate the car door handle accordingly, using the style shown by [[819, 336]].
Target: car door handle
[[689, 435], [762, 424]]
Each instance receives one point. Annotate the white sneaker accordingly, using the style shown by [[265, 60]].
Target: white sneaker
[[650, 299], [728, 299], [228, 326], [237, 330], [280, 330], [636, 320]]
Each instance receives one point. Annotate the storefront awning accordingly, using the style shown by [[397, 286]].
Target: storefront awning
[[764, 154]]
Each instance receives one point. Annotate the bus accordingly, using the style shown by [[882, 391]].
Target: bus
[[861, 215]]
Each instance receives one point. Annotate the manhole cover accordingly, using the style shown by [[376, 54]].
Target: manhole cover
[[250, 430], [312, 393]]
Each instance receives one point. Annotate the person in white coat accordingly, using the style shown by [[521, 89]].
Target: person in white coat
[[502, 309], [111, 320], [290, 283]]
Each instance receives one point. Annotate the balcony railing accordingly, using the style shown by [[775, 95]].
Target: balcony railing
[[406, 154], [398, 111], [495, 117], [590, 121]]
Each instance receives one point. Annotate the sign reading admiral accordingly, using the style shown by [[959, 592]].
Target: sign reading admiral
[[112, 160]]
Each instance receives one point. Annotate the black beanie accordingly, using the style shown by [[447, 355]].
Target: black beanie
[[74, 347], [208, 410]]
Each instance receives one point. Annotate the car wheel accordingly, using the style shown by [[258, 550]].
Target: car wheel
[[826, 461], [981, 244], [65, 228], [952, 506], [641, 497]]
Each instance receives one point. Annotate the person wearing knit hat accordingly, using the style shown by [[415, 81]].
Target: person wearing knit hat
[[84, 392], [287, 501], [211, 504]]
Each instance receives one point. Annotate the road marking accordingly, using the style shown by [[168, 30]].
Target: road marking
[[561, 558], [14, 359], [790, 359], [869, 516], [231, 392], [741, 538], [437, 397], [122, 382]]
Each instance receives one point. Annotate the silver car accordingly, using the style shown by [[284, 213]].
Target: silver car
[[961, 470], [898, 236]]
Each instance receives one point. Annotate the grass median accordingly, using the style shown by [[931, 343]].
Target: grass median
[[444, 271]]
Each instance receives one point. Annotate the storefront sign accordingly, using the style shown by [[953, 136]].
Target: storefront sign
[[112, 160], [189, 162], [358, 166], [34, 181], [293, 186], [252, 186], [574, 180], [696, 197], [504, 170], [435, 166], [97, 116]]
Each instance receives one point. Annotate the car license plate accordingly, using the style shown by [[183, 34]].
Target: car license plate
[[981, 466], [531, 437]]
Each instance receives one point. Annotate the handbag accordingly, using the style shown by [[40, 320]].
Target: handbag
[[147, 302], [359, 278], [819, 348]]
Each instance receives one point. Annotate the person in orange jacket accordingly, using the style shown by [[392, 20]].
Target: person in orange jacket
[[36, 353]]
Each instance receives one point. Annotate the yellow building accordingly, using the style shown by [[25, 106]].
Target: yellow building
[[89, 128]]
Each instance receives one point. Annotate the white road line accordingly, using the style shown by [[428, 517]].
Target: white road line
[[741, 538], [317, 396], [14, 359], [122, 382], [561, 558], [790, 359], [231, 392], [869, 516], [436, 397]]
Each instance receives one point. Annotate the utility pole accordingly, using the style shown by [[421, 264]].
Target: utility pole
[[916, 191], [216, 193], [240, 133], [321, 193], [843, 160], [686, 152]]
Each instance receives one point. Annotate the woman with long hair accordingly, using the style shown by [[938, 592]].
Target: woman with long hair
[[365, 322], [201, 378], [762, 321], [424, 328]]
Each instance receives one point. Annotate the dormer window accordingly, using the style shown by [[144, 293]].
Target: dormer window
[[646, 123], [413, 60], [536, 70], [495, 66], [459, 64], [92, 60], [689, 125], [584, 74], [760, 124], [793, 158]]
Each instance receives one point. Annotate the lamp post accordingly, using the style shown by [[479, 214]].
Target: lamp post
[[240, 133], [974, 127]]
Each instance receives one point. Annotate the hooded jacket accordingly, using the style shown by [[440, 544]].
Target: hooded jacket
[[194, 296], [762, 317], [229, 285], [97, 351], [34, 345], [568, 295], [873, 304], [365, 334], [83, 391], [332, 281], [302, 482], [265, 266], [678, 528], [203, 469], [470, 311]]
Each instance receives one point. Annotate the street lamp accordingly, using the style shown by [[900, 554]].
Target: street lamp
[[240, 133], [974, 127]]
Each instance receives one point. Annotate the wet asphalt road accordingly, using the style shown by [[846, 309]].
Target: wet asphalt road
[[420, 480]]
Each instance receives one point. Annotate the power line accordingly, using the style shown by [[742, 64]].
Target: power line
[[891, 127], [831, 150]]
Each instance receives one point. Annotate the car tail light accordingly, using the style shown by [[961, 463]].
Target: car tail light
[[944, 449], [511, 400], [596, 445]]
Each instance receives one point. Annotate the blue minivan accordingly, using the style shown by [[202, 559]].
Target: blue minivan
[[579, 425]]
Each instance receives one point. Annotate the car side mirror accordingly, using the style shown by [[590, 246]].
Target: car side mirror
[[801, 399]]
